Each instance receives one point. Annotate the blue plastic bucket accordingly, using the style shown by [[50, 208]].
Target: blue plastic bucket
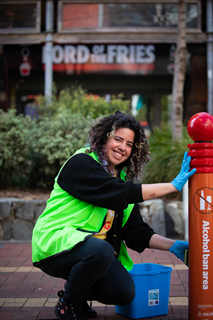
[[152, 284]]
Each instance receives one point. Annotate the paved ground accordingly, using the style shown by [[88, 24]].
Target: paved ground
[[27, 293]]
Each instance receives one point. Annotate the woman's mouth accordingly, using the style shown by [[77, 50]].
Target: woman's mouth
[[118, 155]]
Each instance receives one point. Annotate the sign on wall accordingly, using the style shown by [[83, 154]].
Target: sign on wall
[[112, 58]]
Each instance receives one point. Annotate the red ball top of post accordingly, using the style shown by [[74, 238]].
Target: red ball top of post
[[200, 127]]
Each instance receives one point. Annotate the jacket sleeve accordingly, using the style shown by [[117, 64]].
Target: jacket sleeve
[[85, 179], [136, 233]]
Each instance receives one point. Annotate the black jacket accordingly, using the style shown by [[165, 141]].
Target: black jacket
[[85, 179]]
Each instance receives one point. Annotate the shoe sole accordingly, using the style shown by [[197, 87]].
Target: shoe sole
[[57, 315]]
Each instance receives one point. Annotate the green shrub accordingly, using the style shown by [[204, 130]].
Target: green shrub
[[33, 150], [75, 100], [16, 139], [56, 140]]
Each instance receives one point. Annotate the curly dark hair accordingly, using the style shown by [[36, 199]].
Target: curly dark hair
[[105, 127]]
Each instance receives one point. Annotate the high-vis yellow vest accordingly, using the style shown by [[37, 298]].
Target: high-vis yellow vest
[[67, 221]]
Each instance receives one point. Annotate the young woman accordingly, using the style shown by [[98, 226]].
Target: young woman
[[92, 215]]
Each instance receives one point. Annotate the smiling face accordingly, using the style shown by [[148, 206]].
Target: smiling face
[[119, 147]]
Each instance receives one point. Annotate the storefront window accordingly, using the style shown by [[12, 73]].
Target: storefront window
[[147, 15], [80, 15], [19, 16], [125, 15]]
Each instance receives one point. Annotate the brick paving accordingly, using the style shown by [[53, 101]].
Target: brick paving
[[28, 293]]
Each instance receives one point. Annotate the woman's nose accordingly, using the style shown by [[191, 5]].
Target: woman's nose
[[122, 145]]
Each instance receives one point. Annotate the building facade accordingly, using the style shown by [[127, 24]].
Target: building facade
[[107, 47]]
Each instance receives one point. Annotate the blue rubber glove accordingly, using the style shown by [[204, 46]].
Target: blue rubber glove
[[179, 248], [184, 174]]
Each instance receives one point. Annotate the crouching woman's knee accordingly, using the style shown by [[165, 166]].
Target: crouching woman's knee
[[103, 255], [128, 294]]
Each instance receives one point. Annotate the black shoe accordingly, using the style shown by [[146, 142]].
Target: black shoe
[[66, 311], [88, 311]]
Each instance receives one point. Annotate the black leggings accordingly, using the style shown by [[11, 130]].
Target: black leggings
[[92, 273]]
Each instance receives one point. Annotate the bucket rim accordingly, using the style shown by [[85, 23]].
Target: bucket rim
[[161, 269]]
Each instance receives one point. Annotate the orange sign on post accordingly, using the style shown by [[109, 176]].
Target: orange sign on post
[[200, 129]]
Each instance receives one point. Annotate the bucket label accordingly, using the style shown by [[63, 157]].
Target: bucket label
[[153, 297]]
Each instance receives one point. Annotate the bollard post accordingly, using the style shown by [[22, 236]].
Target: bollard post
[[200, 129]]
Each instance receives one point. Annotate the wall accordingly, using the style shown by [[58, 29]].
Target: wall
[[18, 217]]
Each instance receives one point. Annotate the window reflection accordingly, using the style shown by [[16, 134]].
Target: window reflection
[[14, 16], [138, 15]]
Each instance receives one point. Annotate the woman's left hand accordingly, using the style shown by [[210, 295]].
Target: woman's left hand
[[178, 249], [184, 174]]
